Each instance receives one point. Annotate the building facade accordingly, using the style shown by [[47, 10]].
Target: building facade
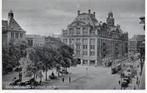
[[11, 31], [95, 41], [35, 40], [137, 43]]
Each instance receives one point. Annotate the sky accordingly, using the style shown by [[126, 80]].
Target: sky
[[47, 17]]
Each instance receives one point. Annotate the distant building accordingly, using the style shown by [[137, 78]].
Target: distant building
[[35, 40], [94, 41], [11, 30], [136, 43]]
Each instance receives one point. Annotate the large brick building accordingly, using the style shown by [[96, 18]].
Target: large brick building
[[94, 41], [11, 31]]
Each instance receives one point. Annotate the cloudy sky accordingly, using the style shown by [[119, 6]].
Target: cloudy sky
[[51, 16]]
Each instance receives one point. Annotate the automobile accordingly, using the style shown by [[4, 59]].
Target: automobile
[[124, 84], [116, 68], [15, 82], [64, 71], [127, 79]]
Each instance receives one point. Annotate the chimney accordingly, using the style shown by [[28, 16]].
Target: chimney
[[94, 14], [89, 11], [78, 12]]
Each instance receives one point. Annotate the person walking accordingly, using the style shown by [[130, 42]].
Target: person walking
[[20, 76], [63, 79], [114, 88], [134, 87], [119, 82], [69, 79]]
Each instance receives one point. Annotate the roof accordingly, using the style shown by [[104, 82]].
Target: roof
[[86, 18], [13, 25], [138, 38], [4, 23]]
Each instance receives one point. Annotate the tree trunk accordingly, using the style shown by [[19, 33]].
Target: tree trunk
[[34, 76], [46, 74], [66, 69]]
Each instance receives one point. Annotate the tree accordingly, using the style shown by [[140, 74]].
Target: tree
[[12, 55], [67, 55], [46, 56]]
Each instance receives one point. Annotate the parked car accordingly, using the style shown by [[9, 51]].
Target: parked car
[[15, 82], [63, 71], [127, 79], [124, 84], [115, 68]]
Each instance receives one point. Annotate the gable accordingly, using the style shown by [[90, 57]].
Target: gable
[[13, 25]]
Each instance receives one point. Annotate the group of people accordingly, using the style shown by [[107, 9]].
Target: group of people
[[69, 79]]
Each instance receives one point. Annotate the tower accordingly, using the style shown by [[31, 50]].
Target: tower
[[110, 19], [10, 14]]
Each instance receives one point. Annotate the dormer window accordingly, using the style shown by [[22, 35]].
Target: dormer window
[[78, 31]]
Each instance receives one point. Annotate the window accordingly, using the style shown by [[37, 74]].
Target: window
[[92, 32], [92, 46], [85, 31], [84, 53], [92, 41], [64, 32], [12, 34], [92, 53], [85, 61], [21, 35], [78, 52], [104, 49], [65, 40], [92, 62], [78, 46], [16, 35], [85, 40], [71, 31], [71, 41], [78, 31], [84, 46], [78, 39]]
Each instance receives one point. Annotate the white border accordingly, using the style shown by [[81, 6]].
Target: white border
[[66, 91]]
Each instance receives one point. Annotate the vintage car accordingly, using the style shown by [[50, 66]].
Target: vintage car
[[116, 68], [125, 82], [15, 82]]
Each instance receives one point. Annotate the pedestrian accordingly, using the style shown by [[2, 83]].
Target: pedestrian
[[20, 76], [69, 79], [63, 79], [119, 82], [137, 78], [114, 88], [134, 87], [86, 68]]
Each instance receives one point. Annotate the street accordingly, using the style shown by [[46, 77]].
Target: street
[[83, 77]]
